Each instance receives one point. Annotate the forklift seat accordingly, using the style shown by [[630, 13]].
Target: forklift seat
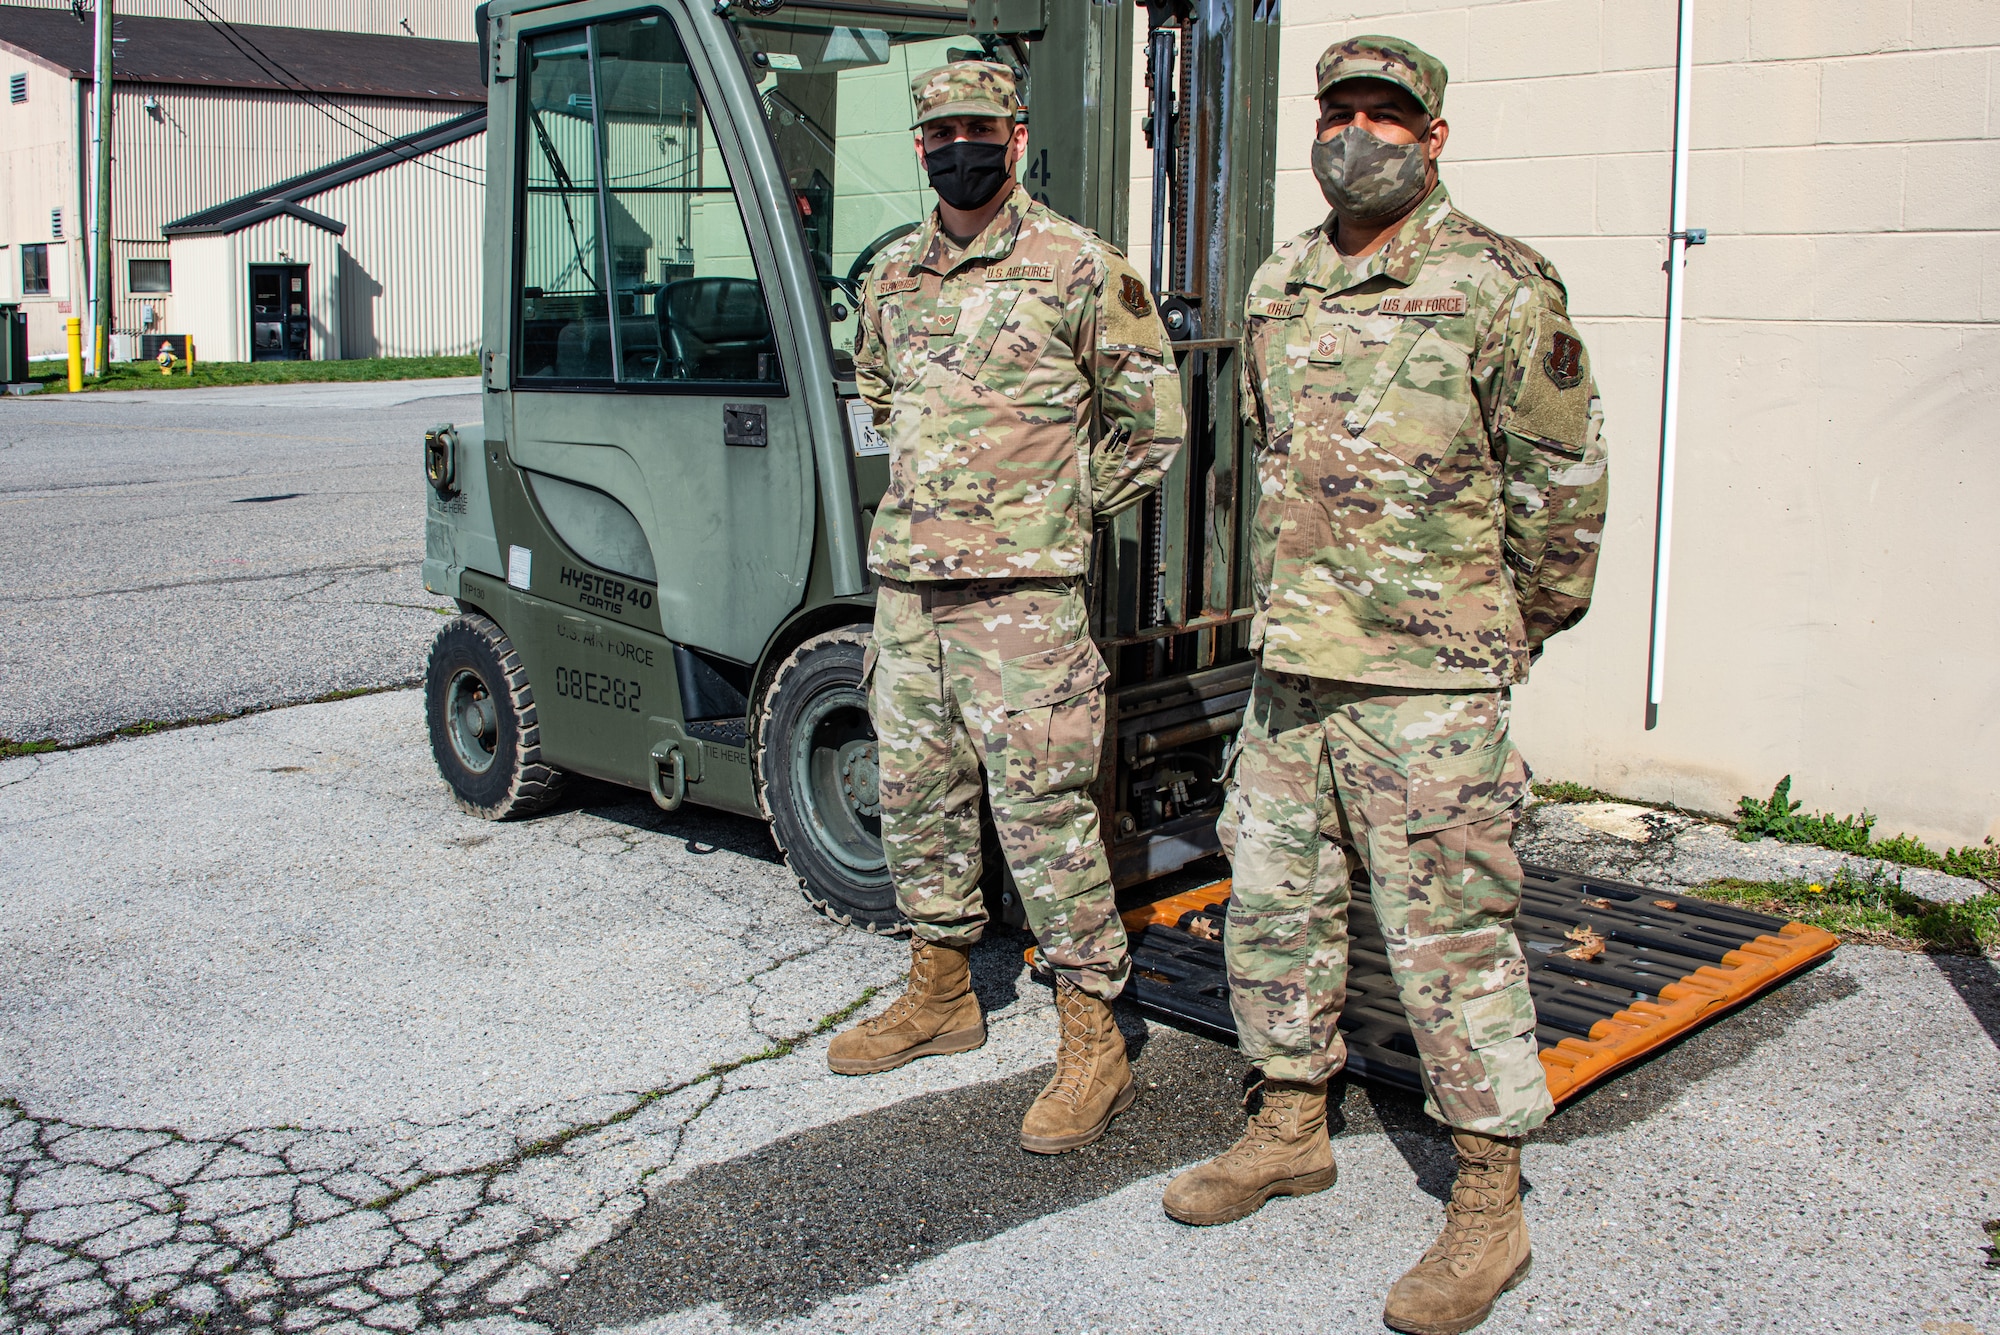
[[716, 329]]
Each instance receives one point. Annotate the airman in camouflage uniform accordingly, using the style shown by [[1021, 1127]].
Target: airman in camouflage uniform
[[1026, 388], [1432, 499]]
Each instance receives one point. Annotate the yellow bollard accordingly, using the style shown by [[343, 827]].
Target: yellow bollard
[[75, 356], [190, 358]]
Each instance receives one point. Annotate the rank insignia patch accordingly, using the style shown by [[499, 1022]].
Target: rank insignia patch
[[1326, 348], [1133, 293], [1564, 360]]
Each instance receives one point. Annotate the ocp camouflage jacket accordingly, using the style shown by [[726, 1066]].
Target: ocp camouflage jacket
[[1026, 390], [1429, 453]]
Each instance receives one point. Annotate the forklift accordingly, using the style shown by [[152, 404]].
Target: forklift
[[656, 535]]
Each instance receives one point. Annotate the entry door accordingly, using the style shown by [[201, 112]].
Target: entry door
[[280, 323], [653, 358]]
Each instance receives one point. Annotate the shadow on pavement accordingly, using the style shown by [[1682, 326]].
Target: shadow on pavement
[[1976, 979], [832, 1210]]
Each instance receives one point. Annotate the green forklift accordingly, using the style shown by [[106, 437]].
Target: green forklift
[[656, 534]]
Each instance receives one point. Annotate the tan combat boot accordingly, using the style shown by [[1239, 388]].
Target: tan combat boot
[[936, 1014], [1092, 1083], [1483, 1251], [1284, 1152]]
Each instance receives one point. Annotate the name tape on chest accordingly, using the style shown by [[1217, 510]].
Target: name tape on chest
[[1022, 273], [1275, 308], [1451, 303], [889, 287]]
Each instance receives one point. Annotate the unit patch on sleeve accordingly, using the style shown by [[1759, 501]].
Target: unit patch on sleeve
[[1563, 362], [1451, 303], [1133, 293]]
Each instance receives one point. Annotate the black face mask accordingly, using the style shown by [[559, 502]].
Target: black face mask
[[967, 175]]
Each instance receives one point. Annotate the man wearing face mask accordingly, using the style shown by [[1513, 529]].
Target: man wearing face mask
[[1432, 498], [1023, 378]]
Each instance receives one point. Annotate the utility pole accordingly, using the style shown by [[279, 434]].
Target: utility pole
[[100, 223]]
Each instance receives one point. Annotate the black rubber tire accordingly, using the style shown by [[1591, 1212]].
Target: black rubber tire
[[481, 707], [809, 739]]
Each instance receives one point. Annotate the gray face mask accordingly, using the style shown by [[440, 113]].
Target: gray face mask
[[1363, 177]]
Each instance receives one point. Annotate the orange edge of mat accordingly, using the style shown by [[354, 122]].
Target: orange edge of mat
[[1575, 1064]]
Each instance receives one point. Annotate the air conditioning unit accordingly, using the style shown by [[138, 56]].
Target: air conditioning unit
[[122, 348]]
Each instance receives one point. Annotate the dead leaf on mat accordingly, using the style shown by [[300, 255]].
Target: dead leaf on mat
[[1668, 904], [1203, 929], [1593, 902], [1589, 945]]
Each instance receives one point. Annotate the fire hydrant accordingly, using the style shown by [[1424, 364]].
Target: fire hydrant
[[166, 359]]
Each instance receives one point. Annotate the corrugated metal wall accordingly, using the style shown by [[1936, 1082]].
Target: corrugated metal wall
[[409, 281], [200, 146], [450, 20]]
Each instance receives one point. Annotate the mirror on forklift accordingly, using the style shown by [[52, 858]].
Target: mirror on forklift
[[835, 89]]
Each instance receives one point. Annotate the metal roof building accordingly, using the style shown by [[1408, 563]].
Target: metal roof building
[[376, 255], [208, 110]]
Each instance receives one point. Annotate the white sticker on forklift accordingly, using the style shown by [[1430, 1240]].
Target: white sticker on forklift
[[520, 565], [861, 421]]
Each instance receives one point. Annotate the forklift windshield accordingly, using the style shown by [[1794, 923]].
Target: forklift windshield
[[835, 88]]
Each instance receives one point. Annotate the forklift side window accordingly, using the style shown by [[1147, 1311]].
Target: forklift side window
[[636, 268], [836, 95]]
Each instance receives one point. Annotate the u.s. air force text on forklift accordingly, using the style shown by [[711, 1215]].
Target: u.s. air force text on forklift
[[655, 534]]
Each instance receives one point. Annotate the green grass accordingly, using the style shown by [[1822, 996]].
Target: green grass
[[145, 375], [1562, 790], [1874, 908], [10, 748], [1992, 1227], [1781, 818]]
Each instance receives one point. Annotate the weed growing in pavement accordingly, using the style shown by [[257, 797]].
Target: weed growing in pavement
[[1874, 907], [9, 748], [1779, 818], [1562, 790], [1992, 1248]]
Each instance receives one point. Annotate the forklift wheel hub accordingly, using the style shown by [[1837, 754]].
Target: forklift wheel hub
[[474, 723], [860, 779]]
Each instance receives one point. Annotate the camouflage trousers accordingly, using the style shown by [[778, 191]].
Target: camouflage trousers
[[1425, 789], [995, 684]]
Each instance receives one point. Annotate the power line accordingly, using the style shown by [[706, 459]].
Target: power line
[[292, 84]]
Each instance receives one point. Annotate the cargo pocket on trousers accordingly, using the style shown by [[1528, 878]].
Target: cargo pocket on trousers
[[1448, 791], [1500, 1027], [1055, 718]]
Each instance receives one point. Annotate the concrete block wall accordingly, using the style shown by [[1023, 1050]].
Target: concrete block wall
[[1835, 608]]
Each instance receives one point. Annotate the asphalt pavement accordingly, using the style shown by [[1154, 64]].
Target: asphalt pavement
[[289, 1043], [179, 553]]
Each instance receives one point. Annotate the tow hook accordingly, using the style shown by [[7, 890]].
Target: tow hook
[[668, 776], [441, 459]]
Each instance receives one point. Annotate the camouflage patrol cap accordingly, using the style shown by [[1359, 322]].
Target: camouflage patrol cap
[[967, 88], [1390, 59]]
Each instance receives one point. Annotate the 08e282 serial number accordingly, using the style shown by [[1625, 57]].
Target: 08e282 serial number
[[594, 688]]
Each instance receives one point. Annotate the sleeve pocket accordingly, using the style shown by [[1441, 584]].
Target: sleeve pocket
[[1499, 1016], [1458, 790], [869, 657]]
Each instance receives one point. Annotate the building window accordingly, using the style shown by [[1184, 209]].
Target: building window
[[35, 271], [148, 276], [17, 88], [55, 223]]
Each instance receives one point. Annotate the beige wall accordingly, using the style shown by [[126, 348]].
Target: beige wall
[[450, 20], [1836, 579]]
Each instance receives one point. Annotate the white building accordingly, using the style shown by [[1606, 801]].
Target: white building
[[376, 255], [201, 113]]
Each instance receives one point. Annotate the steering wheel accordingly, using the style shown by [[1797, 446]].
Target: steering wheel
[[866, 259]]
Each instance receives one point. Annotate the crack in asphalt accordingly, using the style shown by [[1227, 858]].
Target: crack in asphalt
[[280, 1229], [376, 567]]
